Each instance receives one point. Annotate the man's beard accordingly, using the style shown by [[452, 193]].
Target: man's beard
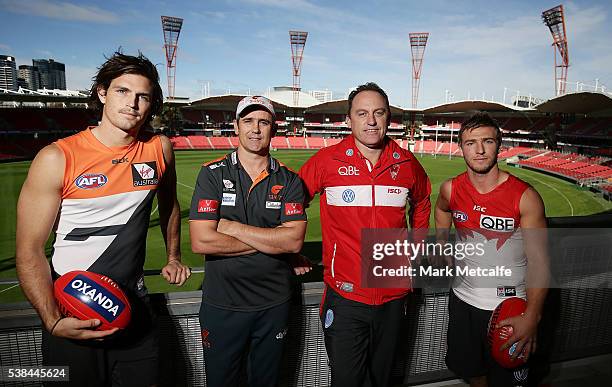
[[484, 170]]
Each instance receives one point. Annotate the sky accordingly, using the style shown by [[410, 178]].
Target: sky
[[475, 48]]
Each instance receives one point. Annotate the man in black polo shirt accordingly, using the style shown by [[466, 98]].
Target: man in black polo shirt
[[247, 216]]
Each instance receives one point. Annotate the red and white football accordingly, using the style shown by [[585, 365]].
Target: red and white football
[[510, 307], [86, 295]]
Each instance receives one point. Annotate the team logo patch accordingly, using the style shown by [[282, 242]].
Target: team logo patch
[[460, 216], [348, 195], [294, 209], [209, 206], [91, 180], [145, 174], [273, 205], [96, 297], [274, 194], [229, 185], [396, 155], [229, 199], [276, 189], [347, 287], [506, 291], [329, 318], [205, 339], [394, 171], [349, 152]]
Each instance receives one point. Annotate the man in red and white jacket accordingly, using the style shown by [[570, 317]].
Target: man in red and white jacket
[[364, 182]]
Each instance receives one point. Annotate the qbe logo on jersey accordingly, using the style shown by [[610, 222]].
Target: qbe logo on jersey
[[496, 223], [145, 174]]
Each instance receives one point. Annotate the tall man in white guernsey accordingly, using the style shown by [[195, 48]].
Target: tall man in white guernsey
[[505, 214], [101, 225]]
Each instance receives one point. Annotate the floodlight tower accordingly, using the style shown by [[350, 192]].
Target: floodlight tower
[[555, 21], [418, 41], [171, 27], [297, 39]]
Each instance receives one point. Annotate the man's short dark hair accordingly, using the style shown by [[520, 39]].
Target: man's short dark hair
[[120, 64], [370, 86], [478, 120]]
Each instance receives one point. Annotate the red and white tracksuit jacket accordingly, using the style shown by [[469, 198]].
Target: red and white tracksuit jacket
[[356, 195]]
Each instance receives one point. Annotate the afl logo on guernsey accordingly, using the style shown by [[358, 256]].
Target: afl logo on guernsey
[[91, 180], [460, 216]]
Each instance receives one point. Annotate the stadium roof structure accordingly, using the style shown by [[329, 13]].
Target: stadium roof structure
[[284, 95], [586, 102], [44, 96], [177, 101], [581, 103], [226, 102], [472, 105], [340, 106]]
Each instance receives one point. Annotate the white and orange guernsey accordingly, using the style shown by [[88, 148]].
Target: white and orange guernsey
[[106, 204]]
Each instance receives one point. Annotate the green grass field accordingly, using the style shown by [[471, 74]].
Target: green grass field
[[561, 198]]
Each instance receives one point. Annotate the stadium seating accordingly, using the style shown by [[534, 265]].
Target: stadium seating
[[511, 152], [26, 120], [233, 142], [199, 142], [332, 141], [297, 143], [220, 142], [428, 147], [447, 148], [316, 142], [570, 165], [540, 124], [279, 143], [513, 124], [180, 142], [47, 119], [193, 116]]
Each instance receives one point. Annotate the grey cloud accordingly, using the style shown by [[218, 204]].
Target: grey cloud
[[59, 10]]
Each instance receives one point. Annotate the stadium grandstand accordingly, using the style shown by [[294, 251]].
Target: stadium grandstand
[[567, 136]]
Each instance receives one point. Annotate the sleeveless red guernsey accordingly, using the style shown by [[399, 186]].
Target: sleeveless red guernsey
[[493, 220]]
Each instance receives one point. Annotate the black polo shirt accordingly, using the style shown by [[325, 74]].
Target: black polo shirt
[[225, 190]]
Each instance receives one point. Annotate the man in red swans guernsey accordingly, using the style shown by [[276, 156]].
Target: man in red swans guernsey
[[506, 215]]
